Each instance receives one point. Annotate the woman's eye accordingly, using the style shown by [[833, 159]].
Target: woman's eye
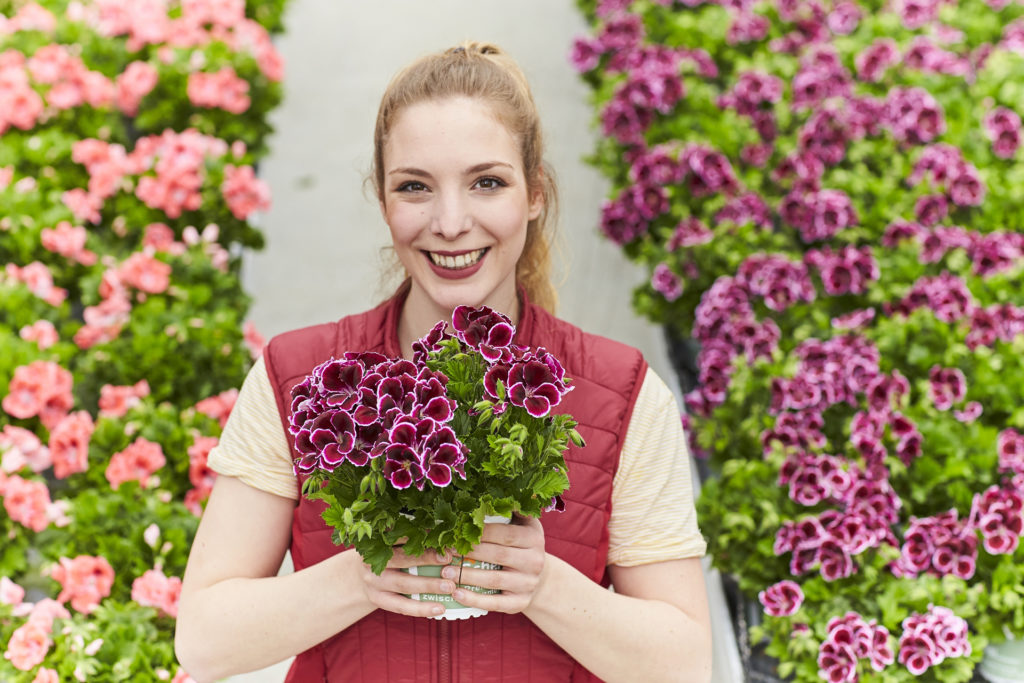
[[490, 183], [411, 186]]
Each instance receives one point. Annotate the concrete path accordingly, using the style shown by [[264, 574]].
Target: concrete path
[[324, 234]]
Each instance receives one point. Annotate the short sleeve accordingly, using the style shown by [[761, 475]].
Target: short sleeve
[[253, 446], [653, 514]]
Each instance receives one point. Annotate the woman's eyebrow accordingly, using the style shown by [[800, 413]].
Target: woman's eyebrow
[[469, 171]]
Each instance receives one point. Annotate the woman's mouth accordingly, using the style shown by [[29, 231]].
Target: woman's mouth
[[457, 262], [456, 265]]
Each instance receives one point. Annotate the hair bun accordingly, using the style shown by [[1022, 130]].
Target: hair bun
[[474, 47]]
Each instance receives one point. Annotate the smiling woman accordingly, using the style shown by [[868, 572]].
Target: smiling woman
[[461, 184]]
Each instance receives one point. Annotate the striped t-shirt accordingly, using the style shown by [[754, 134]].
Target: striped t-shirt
[[653, 517]]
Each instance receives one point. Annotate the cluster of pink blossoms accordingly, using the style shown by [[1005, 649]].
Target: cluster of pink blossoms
[[219, 407], [27, 501], [85, 581], [938, 545], [932, 637], [946, 167], [69, 242], [220, 90], [1003, 127], [138, 462], [155, 589], [847, 271], [31, 642], [199, 472], [782, 599], [116, 401], [998, 514], [22, 448], [849, 640], [41, 388], [69, 444], [39, 280]]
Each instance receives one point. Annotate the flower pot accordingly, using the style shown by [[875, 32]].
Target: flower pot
[[454, 609], [1003, 662]]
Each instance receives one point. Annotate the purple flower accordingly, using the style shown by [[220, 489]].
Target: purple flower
[[621, 32], [747, 27], [947, 386], [913, 115], [1002, 125], [929, 638], [534, 386], [656, 166], [917, 13], [431, 342], [748, 207], [965, 186], [483, 329], [707, 171], [666, 282], [782, 599], [930, 209], [1011, 451], [621, 222], [624, 121], [844, 18], [689, 233], [586, 53]]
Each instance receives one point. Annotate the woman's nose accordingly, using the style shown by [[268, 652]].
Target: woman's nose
[[451, 216]]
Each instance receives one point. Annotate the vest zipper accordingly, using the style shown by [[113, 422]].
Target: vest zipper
[[444, 655]]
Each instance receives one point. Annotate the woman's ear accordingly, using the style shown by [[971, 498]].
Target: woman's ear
[[537, 196]]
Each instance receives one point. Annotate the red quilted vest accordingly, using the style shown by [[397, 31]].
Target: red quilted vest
[[497, 647]]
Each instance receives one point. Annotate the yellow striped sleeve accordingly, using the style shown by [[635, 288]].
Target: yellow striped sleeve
[[653, 515], [253, 446]]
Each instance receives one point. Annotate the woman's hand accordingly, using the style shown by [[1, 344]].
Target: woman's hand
[[519, 548], [386, 591]]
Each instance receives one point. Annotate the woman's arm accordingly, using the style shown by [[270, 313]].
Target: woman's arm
[[236, 614], [654, 627]]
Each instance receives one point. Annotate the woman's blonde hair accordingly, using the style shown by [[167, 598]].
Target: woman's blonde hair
[[485, 72]]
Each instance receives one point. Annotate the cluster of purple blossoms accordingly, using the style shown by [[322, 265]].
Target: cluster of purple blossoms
[[846, 271], [998, 322], [946, 295], [1003, 128], [924, 55], [854, 320], [629, 216], [938, 545], [748, 207], [989, 253], [932, 637], [814, 478], [782, 599], [844, 18], [779, 281], [747, 27], [753, 96], [867, 430], [365, 406], [913, 115], [707, 171], [818, 215], [689, 233], [872, 61], [534, 380], [947, 386], [1011, 451], [827, 542], [821, 76], [804, 168], [918, 13], [947, 167], [667, 283], [849, 640], [998, 514]]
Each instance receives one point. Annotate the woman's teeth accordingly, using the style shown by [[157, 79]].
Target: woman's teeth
[[456, 262]]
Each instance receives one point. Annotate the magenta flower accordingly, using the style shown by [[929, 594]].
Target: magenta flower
[[483, 329], [1011, 451], [929, 638], [666, 282], [532, 384], [782, 599]]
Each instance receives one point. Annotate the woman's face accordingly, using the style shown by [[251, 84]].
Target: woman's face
[[457, 203]]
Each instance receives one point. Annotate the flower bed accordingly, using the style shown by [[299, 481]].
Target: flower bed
[[827, 197], [128, 131]]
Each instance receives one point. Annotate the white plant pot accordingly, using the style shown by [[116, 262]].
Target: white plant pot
[[1004, 662], [452, 608]]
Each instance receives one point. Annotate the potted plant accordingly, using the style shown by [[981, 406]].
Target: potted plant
[[424, 452]]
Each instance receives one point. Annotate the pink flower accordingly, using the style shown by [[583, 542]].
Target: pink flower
[[84, 580], [929, 638], [69, 242], [137, 462], [947, 386], [253, 339], [224, 90], [6, 173], [69, 444], [40, 388], [84, 206], [45, 611], [782, 599], [153, 589], [116, 401], [27, 502], [219, 407], [45, 675], [145, 273], [37, 277], [28, 646], [42, 332], [244, 192], [1011, 451], [10, 592], [182, 677], [138, 79]]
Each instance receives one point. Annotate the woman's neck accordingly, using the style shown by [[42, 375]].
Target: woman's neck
[[419, 314]]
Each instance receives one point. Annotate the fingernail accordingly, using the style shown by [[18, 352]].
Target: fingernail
[[448, 572], [438, 609], [459, 595], [444, 557], [447, 586]]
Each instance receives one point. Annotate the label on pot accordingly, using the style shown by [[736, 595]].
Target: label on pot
[[434, 570]]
